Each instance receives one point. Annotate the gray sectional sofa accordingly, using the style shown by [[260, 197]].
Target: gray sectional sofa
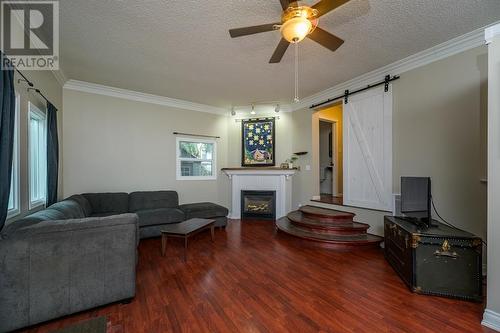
[[156, 209], [81, 252]]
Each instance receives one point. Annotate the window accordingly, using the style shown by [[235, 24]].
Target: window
[[37, 159], [196, 159], [14, 207]]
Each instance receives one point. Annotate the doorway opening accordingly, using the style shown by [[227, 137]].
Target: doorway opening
[[330, 158]]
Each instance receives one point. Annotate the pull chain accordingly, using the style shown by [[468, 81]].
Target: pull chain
[[296, 96]]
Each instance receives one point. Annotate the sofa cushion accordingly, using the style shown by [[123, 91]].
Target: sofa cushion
[[43, 215], [152, 200], [83, 202], [116, 203], [203, 210], [70, 208], [63, 210], [159, 216]]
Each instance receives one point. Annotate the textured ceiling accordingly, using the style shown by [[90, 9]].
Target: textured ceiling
[[182, 49]]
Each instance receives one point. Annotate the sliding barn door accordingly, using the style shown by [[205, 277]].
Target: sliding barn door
[[368, 149]]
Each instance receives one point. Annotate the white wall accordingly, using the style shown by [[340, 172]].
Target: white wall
[[492, 314], [283, 134], [439, 126], [305, 182], [114, 144], [439, 130]]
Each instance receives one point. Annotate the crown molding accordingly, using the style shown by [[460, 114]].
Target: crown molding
[[100, 89], [491, 319], [453, 46], [60, 76], [491, 32]]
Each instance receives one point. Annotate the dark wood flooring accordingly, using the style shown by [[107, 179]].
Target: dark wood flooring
[[251, 280]]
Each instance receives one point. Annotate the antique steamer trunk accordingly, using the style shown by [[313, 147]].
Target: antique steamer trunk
[[440, 260]]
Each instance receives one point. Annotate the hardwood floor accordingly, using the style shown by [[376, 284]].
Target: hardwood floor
[[251, 280]]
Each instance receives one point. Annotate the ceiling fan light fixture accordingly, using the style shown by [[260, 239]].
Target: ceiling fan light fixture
[[296, 29], [297, 22]]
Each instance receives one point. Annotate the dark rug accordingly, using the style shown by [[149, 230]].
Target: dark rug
[[94, 325]]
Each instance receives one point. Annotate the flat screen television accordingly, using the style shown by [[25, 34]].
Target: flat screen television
[[416, 199]]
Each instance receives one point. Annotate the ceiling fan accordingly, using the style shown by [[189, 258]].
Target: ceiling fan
[[297, 23]]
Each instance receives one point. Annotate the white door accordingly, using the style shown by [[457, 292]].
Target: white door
[[368, 149]]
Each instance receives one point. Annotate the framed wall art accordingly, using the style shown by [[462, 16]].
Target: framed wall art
[[258, 138]]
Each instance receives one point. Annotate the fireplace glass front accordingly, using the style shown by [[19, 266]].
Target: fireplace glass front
[[258, 205]]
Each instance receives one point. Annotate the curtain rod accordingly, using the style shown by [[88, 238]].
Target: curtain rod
[[347, 93], [25, 79], [198, 135], [40, 93]]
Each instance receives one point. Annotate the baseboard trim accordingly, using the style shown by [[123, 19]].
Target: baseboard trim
[[491, 319]]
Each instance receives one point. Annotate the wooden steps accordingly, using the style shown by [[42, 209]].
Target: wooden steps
[[341, 227], [326, 215], [333, 227]]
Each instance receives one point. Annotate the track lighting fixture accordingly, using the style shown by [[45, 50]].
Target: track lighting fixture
[[253, 109]]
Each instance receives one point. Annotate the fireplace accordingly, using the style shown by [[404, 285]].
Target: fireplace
[[258, 205], [261, 179]]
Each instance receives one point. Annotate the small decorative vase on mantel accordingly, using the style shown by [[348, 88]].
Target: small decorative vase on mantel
[[291, 160]]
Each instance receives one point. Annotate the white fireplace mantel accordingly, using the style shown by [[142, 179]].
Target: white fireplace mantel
[[261, 179]]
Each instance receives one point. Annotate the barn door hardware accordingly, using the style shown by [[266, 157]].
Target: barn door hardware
[[386, 83], [388, 79]]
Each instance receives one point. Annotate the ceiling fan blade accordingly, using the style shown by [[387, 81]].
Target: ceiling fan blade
[[279, 52], [288, 3], [326, 39], [285, 3], [238, 32], [325, 6]]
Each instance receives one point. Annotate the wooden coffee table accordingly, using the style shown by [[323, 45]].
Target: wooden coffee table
[[185, 230]]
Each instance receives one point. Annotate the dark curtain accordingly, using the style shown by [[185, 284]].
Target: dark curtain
[[7, 119], [52, 154]]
